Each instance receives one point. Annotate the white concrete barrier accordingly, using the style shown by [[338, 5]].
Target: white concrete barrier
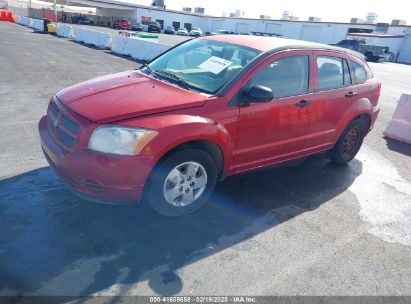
[[23, 20], [399, 127], [64, 30], [141, 49], [119, 44], [98, 39], [36, 24], [80, 35]]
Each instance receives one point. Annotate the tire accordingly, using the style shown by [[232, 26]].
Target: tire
[[155, 194], [369, 56], [349, 142]]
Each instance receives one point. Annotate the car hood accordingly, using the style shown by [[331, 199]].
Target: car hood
[[126, 95]]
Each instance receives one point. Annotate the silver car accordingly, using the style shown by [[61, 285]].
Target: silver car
[[196, 32], [182, 32]]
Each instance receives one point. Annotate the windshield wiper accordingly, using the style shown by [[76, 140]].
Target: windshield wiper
[[150, 71], [173, 76]]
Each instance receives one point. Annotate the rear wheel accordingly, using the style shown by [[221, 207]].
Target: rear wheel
[[181, 183], [349, 142]]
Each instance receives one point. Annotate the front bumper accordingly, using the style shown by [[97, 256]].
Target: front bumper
[[97, 175]]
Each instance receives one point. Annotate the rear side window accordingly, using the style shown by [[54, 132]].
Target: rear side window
[[287, 76], [333, 72], [359, 72]]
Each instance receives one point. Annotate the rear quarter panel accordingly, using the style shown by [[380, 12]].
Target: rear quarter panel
[[366, 101]]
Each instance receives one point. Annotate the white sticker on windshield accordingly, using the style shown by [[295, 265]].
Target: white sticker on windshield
[[215, 64]]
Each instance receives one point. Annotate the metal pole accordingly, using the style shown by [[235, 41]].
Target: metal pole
[[55, 10], [29, 9]]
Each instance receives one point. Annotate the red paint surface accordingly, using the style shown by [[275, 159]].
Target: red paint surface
[[249, 136]]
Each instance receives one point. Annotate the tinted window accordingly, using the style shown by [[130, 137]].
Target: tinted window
[[359, 72], [331, 72], [285, 77]]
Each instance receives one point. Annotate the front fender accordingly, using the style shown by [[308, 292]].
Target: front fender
[[177, 129]]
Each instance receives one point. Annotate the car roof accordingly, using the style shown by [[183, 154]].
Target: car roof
[[267, 44]]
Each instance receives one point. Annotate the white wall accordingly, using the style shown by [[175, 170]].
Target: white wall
[[169, 17], [110, 12], [328, 33]]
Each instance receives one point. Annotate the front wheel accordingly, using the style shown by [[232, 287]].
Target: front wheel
[[349, 142], [181, 183]]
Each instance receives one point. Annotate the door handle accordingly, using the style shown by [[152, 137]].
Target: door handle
[[350, 94], [303, 103]]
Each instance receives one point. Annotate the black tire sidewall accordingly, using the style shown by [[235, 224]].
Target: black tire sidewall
[[336, 152], [155, 197]]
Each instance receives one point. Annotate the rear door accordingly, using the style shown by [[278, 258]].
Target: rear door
[[335, 92]]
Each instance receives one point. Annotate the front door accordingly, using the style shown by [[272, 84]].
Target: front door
[[276, 130]]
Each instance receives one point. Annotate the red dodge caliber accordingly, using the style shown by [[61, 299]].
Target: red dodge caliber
[[206, 109]]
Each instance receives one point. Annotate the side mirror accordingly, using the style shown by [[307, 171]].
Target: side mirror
[[260, 94]]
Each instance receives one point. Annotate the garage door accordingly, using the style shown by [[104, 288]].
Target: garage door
[[310, 33], [216, 25], [405, 53], [243, 28], [273, 28]]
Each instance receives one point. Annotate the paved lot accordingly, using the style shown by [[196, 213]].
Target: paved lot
[[308, 229], [163, 38]]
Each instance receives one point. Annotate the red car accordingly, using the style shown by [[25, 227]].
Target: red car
[[206, 109], [122, 24]]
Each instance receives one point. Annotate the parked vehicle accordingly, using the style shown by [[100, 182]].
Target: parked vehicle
[[196, 32], [371, 52], [209, 108], [182, 31], [81, 20], [126, 33], [154, 27], [221, 32], [122, 24], [138, 27], [169, 30]]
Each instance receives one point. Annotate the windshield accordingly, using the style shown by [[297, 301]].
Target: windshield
[[202, 65]]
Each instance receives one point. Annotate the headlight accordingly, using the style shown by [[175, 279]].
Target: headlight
[[120, 140]]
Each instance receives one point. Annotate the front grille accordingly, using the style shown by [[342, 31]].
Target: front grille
[[69, 125], [54, 110], [63, 127], [65, 138]]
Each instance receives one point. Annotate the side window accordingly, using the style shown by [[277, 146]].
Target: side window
[[285, 77], [333, 72], [359, 72]]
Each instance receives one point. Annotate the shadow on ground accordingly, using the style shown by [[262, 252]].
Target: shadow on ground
[[397, 146], [46, 232]]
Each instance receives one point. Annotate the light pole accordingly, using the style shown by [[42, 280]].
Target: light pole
[[29, 9], [55, 10]]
